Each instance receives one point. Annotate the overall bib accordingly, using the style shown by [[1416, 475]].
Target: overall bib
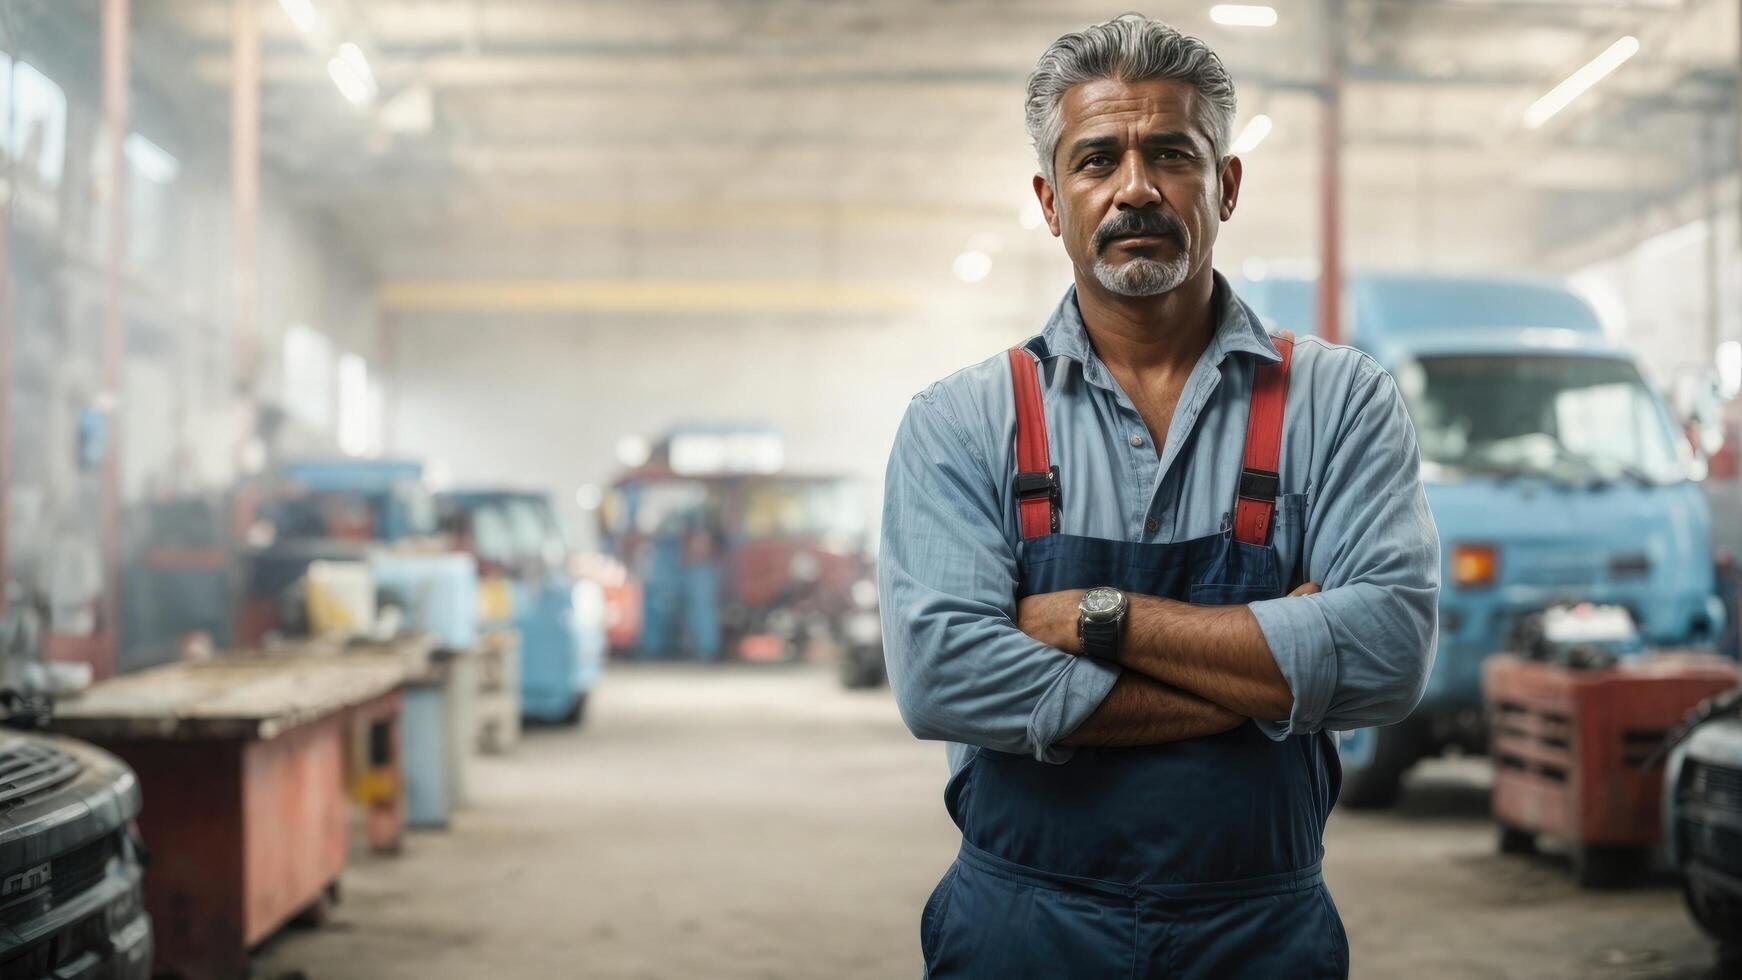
[[1198, 858]]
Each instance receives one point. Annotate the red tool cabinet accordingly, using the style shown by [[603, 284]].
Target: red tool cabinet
[[1570, 747]]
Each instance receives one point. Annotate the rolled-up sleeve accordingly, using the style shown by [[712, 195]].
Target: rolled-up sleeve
[[961, 669], [1357, 654]]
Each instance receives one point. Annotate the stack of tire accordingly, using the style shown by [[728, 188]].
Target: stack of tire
[[71, 865]]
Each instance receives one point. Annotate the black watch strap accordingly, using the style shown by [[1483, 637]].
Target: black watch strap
[[1101, 640]]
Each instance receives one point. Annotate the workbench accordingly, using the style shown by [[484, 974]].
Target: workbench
[[242, 760]]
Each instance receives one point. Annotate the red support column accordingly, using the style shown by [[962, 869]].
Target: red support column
[[6, 328], [387, 344], [1331, 179], [245, 207], [115, 109]]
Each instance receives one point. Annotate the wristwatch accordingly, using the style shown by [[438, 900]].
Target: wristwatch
[[1101, 622]]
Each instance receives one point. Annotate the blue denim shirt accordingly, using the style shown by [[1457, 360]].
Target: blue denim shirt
[[1352, 516]]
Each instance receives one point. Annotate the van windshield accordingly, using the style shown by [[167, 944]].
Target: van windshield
[[780, 508], [1569, 417]]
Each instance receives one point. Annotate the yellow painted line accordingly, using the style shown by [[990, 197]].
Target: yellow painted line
[[638, 296]]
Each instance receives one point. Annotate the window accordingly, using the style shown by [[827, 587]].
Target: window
[[308, 376], [151, 172], [803, 508], [37, 137], [354, 414]]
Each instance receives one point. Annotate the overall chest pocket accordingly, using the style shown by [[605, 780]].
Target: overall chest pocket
[[1287, 539]]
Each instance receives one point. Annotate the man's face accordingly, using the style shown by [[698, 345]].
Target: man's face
[[1138, 194]]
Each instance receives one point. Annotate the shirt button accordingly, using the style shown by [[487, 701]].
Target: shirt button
[[1153, 526], [1136, 442]]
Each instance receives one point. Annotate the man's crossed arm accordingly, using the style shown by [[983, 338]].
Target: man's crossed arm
[[968, 664], [1192, 670]]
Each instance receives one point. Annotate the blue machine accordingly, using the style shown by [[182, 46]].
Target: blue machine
[[1554, 471], [393, 499], [561, 620], [438, 591]]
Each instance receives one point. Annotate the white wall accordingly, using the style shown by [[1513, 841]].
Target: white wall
[[1657, 288], [178, 399], [542, 402]]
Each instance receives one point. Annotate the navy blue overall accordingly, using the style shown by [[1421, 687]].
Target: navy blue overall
[[1198, 858]]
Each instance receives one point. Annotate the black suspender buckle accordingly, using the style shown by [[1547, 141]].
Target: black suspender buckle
[[1039, 486], [1260, 485]]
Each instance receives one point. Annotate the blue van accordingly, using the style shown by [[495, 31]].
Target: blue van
[[1556, 474]]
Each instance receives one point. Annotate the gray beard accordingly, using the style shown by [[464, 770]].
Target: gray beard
[[1142, 276]]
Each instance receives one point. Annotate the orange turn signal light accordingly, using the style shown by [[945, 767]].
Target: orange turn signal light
[[1475, 566]]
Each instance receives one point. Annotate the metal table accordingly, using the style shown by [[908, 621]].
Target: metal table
[[242, 761]]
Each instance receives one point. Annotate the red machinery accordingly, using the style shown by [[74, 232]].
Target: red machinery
[[1576, 752], [765, 560]]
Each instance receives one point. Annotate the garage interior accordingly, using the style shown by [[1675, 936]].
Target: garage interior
[[442, 446]]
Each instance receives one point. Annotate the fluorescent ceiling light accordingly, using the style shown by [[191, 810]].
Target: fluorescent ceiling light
[[350, 85], [350, 72], [303, 14], [1594, 71], [1257, 128], [1243, 15], [352, 55], [973, 266]]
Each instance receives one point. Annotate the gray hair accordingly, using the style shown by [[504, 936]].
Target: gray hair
[[1129, 48]]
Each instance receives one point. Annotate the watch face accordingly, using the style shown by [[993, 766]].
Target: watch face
[[1102, 603]]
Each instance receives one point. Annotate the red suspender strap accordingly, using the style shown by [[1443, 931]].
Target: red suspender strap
[[1036, 479], [1259, 480]]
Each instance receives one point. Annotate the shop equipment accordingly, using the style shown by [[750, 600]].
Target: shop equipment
[[1576, 754], [1703, 816]]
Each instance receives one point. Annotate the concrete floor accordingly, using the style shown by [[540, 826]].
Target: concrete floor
[[764, 823]]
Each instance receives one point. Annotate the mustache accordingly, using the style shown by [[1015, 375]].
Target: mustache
[[1127, 224]]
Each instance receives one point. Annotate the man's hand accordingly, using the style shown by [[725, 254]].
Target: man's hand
[[1051, 618]]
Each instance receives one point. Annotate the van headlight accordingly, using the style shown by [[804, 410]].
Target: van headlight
[[1475, 565]]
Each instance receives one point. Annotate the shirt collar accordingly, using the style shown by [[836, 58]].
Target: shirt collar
[[1237, 329]]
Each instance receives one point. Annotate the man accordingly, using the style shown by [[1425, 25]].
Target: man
[[1099, 565]]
